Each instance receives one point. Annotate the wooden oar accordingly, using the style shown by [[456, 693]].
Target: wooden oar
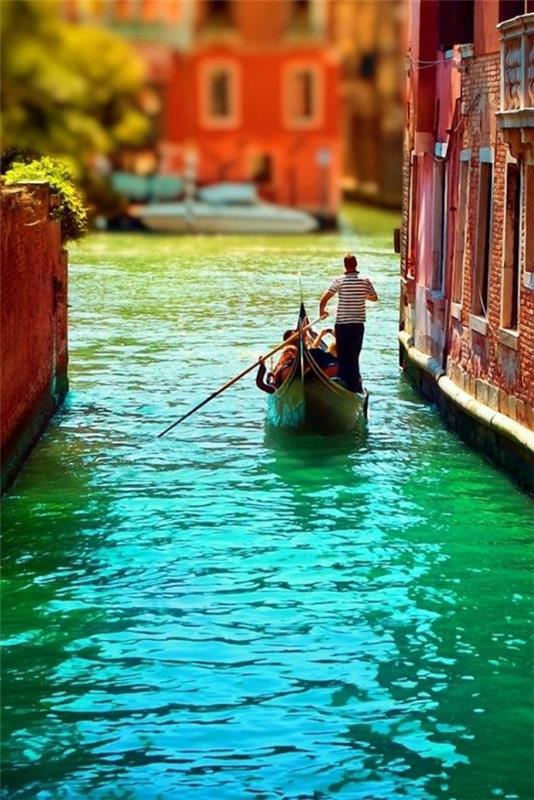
[[238, 377]]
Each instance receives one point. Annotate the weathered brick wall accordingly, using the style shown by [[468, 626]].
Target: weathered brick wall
[[495, 373], [33, 320], [486, 365]]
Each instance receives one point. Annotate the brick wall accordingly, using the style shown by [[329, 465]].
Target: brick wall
[[498, 374], [33, 321], [488, 363]]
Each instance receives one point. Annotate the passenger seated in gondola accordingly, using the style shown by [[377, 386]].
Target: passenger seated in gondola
[[332, 347], [264, 379], [317, 341], [324, 356], [270, 381], [285, 364]]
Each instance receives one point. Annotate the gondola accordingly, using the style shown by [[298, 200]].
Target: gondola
[[310, 402]]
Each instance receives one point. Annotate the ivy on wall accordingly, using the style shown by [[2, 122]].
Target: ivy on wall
[[71, 211]]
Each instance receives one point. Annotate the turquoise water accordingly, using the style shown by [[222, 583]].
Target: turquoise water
[[232, 613]]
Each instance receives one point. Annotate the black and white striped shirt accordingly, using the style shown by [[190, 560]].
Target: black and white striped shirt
[[352, 293]]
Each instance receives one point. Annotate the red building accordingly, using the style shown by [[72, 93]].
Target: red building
[[467, 318], [248, 91]]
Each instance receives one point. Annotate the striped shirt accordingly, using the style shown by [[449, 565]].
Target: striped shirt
[[352, 293]]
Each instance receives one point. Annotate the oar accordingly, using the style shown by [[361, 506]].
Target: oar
[[238, 377]]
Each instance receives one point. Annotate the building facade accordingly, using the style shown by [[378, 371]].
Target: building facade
[[467, 292], [239, 91], [371, 39]]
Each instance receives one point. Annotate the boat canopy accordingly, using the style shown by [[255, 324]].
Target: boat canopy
[[155, 188], [229, 194], [130, 185], [165, 187]]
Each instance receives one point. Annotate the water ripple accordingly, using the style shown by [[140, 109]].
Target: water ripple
[[232, 612]]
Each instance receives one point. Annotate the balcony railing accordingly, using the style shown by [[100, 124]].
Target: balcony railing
[[517, 72]]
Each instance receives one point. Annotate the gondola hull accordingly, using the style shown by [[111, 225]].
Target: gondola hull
[[316, 404]]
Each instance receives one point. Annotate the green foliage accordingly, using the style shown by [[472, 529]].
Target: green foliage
[[71, 211], [67, 90]]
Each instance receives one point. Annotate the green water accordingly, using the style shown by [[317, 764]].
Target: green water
[[227, 613]]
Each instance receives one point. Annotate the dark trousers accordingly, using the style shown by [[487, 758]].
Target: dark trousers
[[349, 339]]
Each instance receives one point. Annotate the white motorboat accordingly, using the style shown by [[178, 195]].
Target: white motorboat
[[224, 208]]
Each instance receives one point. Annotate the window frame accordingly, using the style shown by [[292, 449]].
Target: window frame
[[441, 222], [481, 251], [208, 69], [316, 119], [458, 263], [528, 230], [512, 250]]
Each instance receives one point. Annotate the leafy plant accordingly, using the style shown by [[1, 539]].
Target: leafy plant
[[69, 90], [71, 211]]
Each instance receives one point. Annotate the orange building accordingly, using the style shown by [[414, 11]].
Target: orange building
[[249, 91]]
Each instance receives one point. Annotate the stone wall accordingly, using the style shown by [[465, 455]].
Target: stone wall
[[33, 320]]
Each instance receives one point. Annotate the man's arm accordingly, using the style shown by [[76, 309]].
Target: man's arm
[[261, 383], [323, 313], [319, 338], [371, 293]]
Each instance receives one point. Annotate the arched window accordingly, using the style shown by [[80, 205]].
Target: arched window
[[220, 93], [512, 249]]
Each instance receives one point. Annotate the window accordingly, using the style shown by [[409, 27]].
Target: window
[[456, 20], [368, 66], [303, 95], [529, 216], [220, 94], [512, 248], [218, 13], [463, 198], [303, 99], [483, 243], [440, 225], [301, 12]]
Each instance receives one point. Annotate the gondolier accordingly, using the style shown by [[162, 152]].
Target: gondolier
[[353, 291], [303, 395]]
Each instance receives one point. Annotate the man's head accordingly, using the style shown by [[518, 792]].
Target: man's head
[[351, 263], [287, 334]]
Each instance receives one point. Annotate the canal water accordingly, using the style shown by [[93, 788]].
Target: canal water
[[230, 613]]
